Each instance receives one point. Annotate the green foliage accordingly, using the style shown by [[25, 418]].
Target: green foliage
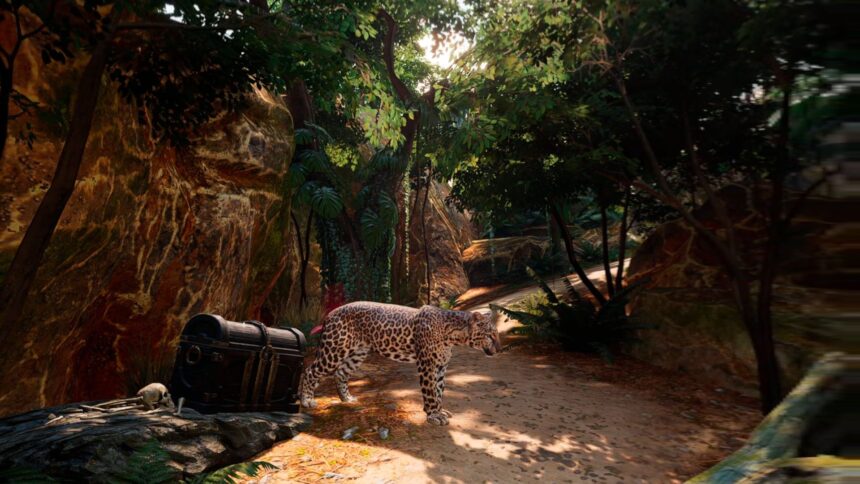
[[449, 303], [591, 252], [146, 465], [232, 474], [575, 322], [326, 202], [150, 465], [24, 475]]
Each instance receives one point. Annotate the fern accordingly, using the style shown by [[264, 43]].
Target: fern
[[147, 465], [523, 317], [231, 474], [550, 295], [151, 465], [577, 323]]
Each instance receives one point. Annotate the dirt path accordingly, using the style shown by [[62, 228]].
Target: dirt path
[[531, 413]]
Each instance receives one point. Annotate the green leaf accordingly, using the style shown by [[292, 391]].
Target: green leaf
[[373, 229], [304, 136], [298, 175], [232, 474], [315, 160], [388, 210], [326, 202]]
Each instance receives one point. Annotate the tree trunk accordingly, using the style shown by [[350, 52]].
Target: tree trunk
[[28, 257], [622, 243], [770, 366], [302, 296], [571, 255], [427, 272], [604, 239], [303, 273], [761, 335]]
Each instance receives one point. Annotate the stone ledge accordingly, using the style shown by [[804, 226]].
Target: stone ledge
[[67, 442]]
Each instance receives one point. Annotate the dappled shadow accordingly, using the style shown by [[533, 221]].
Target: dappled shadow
[[531, 413]]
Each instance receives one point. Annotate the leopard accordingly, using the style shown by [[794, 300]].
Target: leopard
[[424, 336]]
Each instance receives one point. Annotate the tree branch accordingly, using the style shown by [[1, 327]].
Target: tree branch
[[388, 56], [169, 24], [719, 207], [797, 206], [731, 260]]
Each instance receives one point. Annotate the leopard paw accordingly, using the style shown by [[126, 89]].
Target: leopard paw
[[437, 418], [446, 413], [309, 402], [348, 399]]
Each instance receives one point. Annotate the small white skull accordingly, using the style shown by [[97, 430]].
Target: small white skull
[[155, 395]]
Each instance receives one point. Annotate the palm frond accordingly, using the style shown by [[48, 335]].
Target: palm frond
[[550, 295], [572, 293], [521, 316]]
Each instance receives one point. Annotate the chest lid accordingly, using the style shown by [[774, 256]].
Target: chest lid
[[214, 330]]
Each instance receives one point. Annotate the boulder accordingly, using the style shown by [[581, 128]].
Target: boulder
[[689, 297], [150, 236], [504, 259], [81, 446], [809, 437]]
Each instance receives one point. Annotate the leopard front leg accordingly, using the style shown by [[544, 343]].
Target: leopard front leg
[[430, 366], [440, 386]]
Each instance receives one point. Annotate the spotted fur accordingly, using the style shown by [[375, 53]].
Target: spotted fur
[[424, 336]]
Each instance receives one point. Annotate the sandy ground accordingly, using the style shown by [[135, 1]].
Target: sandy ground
[[532, 413]]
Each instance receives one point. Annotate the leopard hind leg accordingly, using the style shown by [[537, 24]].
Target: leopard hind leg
[[347, 367]]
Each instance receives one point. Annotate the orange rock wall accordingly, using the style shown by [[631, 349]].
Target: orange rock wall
[[150, 236]]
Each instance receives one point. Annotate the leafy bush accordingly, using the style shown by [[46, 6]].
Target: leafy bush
[[591, 252], [578, 324], [449, 303], [531, 303]]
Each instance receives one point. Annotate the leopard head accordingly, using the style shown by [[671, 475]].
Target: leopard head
[[483, 334]]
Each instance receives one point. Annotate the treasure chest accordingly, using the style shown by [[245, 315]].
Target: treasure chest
[[227, 366]]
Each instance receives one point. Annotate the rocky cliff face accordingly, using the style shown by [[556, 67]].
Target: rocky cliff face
[[449, 233], [150, 237], [690, 299]]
